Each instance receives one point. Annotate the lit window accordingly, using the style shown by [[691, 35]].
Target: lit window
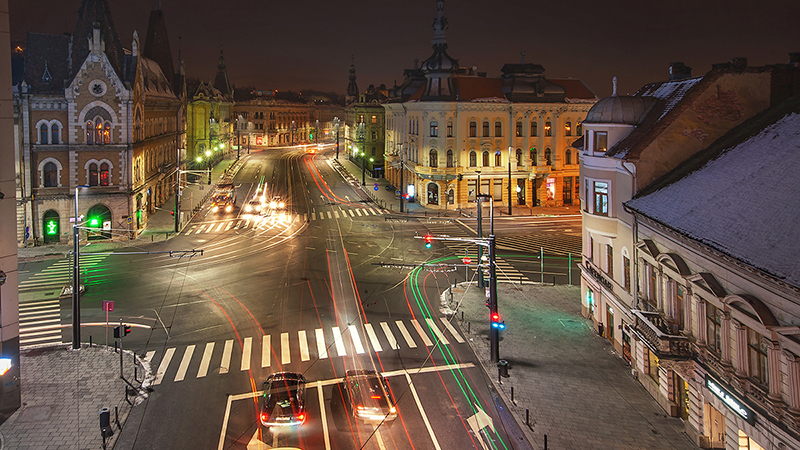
[[601, 198], [434, 129], [89, 132], [568, 129], [373, 119], [519, 129], [548, 131], [600, 141], [107, 133]]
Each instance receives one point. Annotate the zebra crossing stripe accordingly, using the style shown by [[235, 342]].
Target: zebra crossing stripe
[[230, 225], [286, 357], [206, 360], [266, 350], [335, 214], [452, 330], [356, 339], [437, 331], [303, 345], [148, 357], [337, 339], [247, 347], [162, 368], [358, 211], [421, 332], [405, 334], [322, 350], [376, 345], [313, 215], [352, 214], [184, 366], [225, 364], [329, 215]]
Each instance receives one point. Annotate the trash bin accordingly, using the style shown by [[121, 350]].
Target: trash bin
[[502, 368]]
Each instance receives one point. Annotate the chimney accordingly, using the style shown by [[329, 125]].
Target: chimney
[[794, 59], [739, 63], [679, 71]]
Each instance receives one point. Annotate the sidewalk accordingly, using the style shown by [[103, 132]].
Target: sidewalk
[[160, 225], [389, 201], [63, 391], [577, 390]]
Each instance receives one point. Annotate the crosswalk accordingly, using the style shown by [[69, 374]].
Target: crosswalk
[[337, 341], [59, 274], [336, 213], [534, 243]]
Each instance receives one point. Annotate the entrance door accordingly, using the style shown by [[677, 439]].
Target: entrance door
[[681, 395], [51, 227], [715, 424], [610, 328]]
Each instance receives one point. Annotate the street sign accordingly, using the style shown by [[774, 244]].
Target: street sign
[[376, 187], [130, 220], [108, 305], [466, 260]]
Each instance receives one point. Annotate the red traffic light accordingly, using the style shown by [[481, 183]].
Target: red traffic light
[[495, 317], [428, 240], [496, 323]]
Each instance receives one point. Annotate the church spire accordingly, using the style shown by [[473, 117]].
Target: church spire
[[96, 15], [221, 81], [352, 87], [439, 66]]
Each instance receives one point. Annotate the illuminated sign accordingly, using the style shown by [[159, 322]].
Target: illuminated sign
[[52, 226], [730, 401]]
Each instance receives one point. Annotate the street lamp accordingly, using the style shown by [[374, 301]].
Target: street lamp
[[292, 132], [494, 332], [402, 169], [478, 198], [316, 132], [208, 164], [336, 125], [510, 149], [363, 152], [76, 278]]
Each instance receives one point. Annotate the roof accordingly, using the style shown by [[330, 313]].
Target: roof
[[576, 89], [626, 109], [156, 43], [91, 12], [46, 51], [156, 84], [712, 197]]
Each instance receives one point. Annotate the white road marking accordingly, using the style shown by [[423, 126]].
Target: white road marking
[[437, 331], [452, 330], [373, 338], [162, 368], [337, 339], [422, 411], [405, 334], [225, 364], [358, 211], [352, 214], [421, 332], [266, 351], [356, 339], [206, 360], [335, 214], [286, 357], [247, 347], [322, 350], [301, 335], [184, 366]]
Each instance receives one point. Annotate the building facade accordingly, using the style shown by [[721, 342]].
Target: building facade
[[93, 114], [457, 133], [271, 118], [209, 119], [364, 126], [636, 288]]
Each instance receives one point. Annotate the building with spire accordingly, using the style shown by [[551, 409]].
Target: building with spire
[[364, 127], [209, 123], [456, 132], [94, 114]]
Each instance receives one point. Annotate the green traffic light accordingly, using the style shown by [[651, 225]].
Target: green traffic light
[[52, 227], [94, 222], [427, 245]]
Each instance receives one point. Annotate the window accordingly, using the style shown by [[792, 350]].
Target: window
[[757, 355], [519, 156], [534, 158], [54, 134], [626, 273], [498, 158], [89, 133], [498, 129], [449, 129], [434, 129], [534, 129], [374, 135], [486, 159], [473, 129], [679, 301], [568, 129], [714, 328], [579, 129], [50, 175], [547, 157], [610, 261], [601, 198], [93, 176], [652, 365], [473, 159], [600, 141], [450, 158], [519, 129], [373, 119], [374, 151], [98, 131], [43, 133], [485, 129], [568, 157], [548, 129], [360, 118], [434, 158]]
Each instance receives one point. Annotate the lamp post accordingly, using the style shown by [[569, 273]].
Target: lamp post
[[402, 170], [76, 278], [336, 125], [510, 149], [363, 153], [292, 132], [316, 132], [208, 164], [479, 198]]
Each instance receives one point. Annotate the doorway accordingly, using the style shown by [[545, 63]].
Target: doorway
[[610, 320], [715, 424]]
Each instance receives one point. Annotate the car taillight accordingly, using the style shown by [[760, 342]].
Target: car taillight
[[264, 417], [376, 397], [360, 408], [301, 417]]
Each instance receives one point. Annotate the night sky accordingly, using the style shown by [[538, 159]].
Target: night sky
[[295, 45]]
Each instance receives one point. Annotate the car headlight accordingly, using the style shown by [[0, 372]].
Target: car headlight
[[228, 208], [282, 205], [215, 208], [248, 208], [273, 205]]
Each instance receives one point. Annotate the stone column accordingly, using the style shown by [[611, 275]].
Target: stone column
[[660, 303], [725, 337], [687, 305], [742, 369], [774, 370], [793, 380], [702, 326]]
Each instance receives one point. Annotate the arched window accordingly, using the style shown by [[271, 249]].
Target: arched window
[[568, 129], [579, 129], [93, 176], [498, 129], [434, 159], [50, 175], [43, 133], [498, 158], [485, 129], [434, 129], [473, 129], [519, 156], [54, 134], [473, 159], [450, 158], [449, 129], [548, 129], [98, 131], [104, 174], [547, 159], [89, 133], [485, 159], [568, 157], [534, 157], [534, 129]]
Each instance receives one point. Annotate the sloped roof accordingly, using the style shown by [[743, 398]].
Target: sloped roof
[[469, 89], [91, 12], [576, 89], [156, 44], [738, 195], [46, 50], [156, 84]]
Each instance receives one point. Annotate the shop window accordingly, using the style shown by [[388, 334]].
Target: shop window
[[714, 328], [757, 355], [485, 129], [600, 198], [473, 129], [473, 159]]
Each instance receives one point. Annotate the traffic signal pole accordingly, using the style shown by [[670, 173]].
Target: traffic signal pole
[[494, 332]]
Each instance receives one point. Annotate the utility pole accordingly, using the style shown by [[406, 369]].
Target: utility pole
[[494, 331], [402, 182], [509, 179], [479, 198]]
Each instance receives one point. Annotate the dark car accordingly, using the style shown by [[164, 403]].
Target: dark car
[[284, 401], [368, 396]]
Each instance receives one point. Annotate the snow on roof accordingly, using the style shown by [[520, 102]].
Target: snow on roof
[[744, 202], [672, 92]]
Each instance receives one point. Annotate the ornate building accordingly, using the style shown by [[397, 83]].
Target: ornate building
[[458, 133], [209, 124], [91, 113], [272, 118], [364, 126], [684, 301]]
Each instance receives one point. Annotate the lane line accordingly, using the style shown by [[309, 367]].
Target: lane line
[[422, 412]]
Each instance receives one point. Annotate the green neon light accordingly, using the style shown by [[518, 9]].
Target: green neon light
[[52, 227]]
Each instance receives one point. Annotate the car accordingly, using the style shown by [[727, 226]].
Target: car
[[283, 403], [368, 397], [277, 203], [253, 207]]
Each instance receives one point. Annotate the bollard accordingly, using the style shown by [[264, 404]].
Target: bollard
[[554, 280], [545, 442], [462, 316], [116, 416], [90, 341], [512, 395], [115, 346], [528, 417], [105, 424], [468, 327], [136, 373], [502, 368]]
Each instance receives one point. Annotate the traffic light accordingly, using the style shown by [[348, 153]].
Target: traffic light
[[127, 329], [117, 333], [121, 331], [497, 323], [94, 222], [428, 239]]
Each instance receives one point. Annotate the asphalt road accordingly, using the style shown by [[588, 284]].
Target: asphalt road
[[302, 289]]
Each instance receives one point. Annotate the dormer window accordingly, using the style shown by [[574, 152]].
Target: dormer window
[[600, 141]]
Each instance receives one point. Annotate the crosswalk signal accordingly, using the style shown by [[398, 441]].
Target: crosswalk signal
[[497, 323], [121, 331], [126, 329], [117, 333], [428, 240]]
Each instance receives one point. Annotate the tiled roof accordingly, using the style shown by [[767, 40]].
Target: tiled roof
[[92, 11], [46, 50], [575, 88], [156, 85], [470, 89], [736, 196]]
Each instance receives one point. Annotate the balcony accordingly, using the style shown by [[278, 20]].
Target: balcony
[[654, 330]]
